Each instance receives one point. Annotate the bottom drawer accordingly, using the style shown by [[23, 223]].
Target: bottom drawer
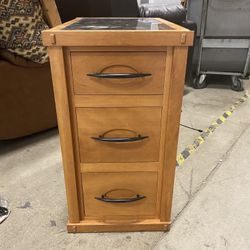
[[120, 194]]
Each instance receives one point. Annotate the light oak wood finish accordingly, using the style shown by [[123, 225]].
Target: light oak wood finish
[[156, 38], [118, 62], [118, 226], [176, 90], [120, 167], [120, 185], [118, 48], [50, 12], [74, 133], [144, 121], [106, 38], [89, 107], [65, 129], [164, 118], [98, 101]]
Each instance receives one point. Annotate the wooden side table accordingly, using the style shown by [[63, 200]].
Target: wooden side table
[[118, 86]]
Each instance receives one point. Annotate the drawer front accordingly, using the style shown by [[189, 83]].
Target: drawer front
[[119, 134], [113, 194], [107, 65]]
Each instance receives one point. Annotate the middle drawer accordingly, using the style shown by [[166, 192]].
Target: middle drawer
[[119, 134]]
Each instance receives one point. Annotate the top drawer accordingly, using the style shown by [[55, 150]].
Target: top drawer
[[118, 72]]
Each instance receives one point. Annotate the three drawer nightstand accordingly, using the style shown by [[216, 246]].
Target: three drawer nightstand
[[118, 85]]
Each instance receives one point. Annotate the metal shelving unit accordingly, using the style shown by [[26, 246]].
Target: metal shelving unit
[[222, 46]]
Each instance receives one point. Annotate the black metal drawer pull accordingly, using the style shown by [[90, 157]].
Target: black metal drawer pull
[[103, 137], [118, 75], [120, 200]]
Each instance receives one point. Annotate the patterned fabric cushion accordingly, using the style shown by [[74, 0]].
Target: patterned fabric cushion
[[21, 23]]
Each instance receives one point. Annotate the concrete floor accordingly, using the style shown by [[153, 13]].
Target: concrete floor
[[211, 207]]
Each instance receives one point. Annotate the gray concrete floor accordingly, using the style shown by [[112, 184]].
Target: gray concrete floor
[[211, 208]]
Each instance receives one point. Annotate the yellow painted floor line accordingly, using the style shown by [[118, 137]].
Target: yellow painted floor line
[[190, 149]]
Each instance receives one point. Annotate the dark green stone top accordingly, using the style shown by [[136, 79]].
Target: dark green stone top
[[117, 24]]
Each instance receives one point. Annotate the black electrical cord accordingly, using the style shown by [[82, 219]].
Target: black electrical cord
[[195, 129]]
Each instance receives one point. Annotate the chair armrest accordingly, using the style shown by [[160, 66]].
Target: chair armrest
[[17, 60], [173, 13], [51, 13], [189, 25]]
